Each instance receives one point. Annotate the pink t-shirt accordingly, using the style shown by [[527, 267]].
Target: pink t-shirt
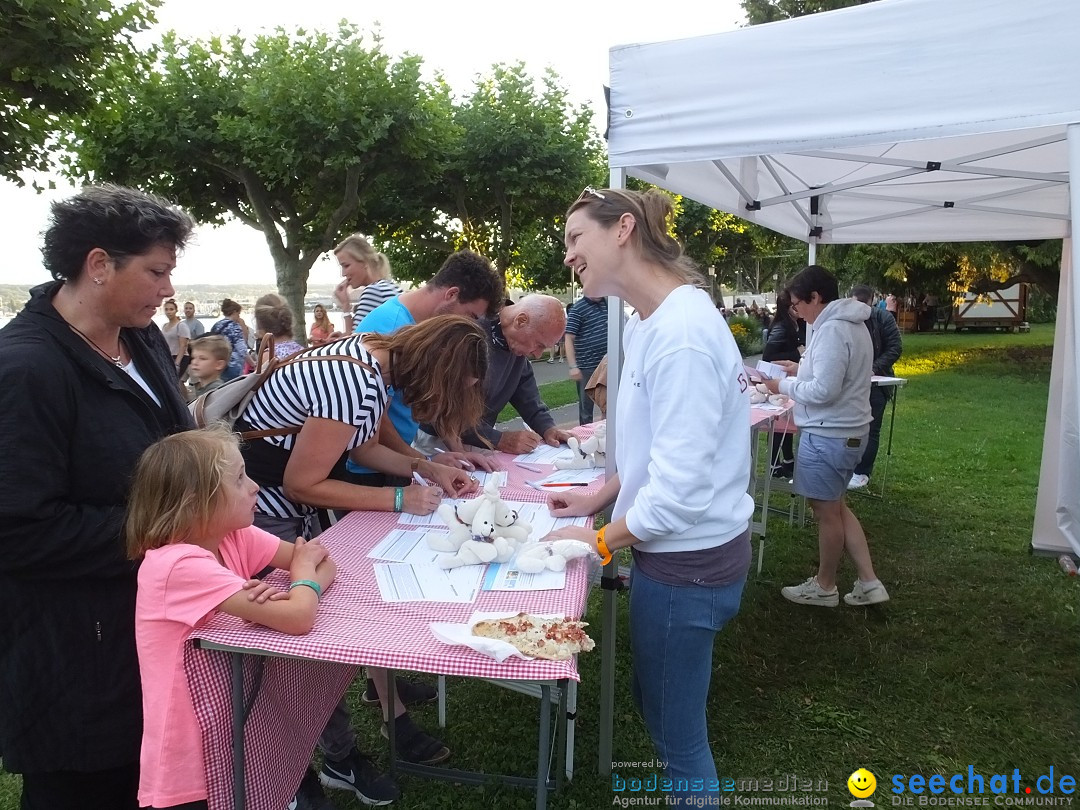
[[180, 587]]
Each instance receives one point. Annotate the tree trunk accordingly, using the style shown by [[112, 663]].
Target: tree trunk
[[292, 284]]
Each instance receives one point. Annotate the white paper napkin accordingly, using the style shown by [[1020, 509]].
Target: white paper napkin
[[452, 633]]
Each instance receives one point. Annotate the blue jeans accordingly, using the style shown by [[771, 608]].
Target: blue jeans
[[671, 635], [585, 403]]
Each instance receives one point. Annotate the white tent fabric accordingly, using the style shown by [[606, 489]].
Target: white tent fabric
[[895, 121], [908, 120]]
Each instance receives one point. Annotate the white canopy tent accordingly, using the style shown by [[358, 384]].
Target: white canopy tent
[[896, 121]]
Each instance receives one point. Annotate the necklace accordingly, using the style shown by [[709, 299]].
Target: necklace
[[115, 360]]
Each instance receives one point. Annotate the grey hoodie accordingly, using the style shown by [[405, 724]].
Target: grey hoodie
[[832, 389]]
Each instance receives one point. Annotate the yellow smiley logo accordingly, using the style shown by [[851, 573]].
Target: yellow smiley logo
[[862, 783]]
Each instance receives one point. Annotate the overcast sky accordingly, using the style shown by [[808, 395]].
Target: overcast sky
[[459, 39]]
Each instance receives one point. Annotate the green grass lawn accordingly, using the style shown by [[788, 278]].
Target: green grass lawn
[[973, 662]]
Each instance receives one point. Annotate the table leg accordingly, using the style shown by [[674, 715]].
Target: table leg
[[562, 767], [607, 673], [542, 754], [239, 787], [391, 679]]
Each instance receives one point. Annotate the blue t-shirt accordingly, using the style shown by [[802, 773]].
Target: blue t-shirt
[[386, 318]]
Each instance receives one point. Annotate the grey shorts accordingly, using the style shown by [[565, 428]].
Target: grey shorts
[[823, 465]]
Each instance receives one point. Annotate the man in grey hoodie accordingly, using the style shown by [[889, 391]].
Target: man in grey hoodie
[[831, 390]]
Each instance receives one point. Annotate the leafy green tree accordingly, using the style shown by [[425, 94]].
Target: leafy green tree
[[302, 136], [950, 269], [54, 60], [520, 154], [766, 11]]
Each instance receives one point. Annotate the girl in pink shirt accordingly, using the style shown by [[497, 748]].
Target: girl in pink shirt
[[189, 520]]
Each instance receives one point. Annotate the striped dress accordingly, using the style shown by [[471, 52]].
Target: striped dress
[[329, 389]]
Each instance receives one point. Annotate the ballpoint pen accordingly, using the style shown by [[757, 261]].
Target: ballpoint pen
[[567, 484]]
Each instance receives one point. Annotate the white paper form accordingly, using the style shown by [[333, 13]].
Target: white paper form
[[544, 454], [406, 546], [542, 521], [482, 477], [424, 520], [586, 476], [771, 371], [506, 577], [427, 583]]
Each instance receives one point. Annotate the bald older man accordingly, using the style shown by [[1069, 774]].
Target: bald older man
[[519, 332]]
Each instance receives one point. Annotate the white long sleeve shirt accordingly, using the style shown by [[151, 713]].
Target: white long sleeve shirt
[[683, 428]]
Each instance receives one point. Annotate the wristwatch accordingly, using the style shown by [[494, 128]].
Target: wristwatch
[[414, 465]]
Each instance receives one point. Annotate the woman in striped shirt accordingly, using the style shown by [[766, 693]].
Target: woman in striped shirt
[[362, 266], [438, 366]]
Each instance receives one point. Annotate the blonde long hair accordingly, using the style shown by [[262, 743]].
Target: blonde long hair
[[177, 488], [357, 246]]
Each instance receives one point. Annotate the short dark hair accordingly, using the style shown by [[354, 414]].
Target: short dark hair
[[121, 221], [863, 293], [474, 277], [813, 279], [229, 307]]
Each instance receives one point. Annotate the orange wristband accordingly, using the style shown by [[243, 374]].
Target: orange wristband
[[601, 546]]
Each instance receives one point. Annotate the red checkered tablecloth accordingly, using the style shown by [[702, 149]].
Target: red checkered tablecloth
[[296, 694]]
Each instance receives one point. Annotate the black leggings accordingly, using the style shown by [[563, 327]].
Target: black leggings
[[113, 789]]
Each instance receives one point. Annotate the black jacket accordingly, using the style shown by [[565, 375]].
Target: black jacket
[[71, 429], [885, 335], [784, 340]]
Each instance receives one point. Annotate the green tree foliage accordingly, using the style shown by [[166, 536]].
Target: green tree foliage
[[766, 11], [54, 57], [302, 136], [949, 269], [519, 155]]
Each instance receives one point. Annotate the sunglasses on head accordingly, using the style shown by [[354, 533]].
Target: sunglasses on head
[[589, 191]]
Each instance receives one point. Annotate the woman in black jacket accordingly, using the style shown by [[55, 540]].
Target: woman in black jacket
[[86, 384], [787, 336]]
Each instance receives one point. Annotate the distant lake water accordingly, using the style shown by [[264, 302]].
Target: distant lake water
[[336, 318]]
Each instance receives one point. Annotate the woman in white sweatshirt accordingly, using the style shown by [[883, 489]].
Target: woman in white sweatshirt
[[683, 459]]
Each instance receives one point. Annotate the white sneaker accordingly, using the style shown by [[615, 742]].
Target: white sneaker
[[858, 481], [810, 593], [867, 593]]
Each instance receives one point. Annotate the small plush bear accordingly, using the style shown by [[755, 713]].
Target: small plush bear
[[535, 557], [482, 530]]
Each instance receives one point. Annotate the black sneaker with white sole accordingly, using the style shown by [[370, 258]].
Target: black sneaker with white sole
[[358, 773], [310, 796]]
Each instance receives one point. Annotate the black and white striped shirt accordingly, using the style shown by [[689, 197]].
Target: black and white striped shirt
[[327, 389], [373, 295]]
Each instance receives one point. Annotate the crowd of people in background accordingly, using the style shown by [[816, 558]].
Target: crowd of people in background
[[104, 469]]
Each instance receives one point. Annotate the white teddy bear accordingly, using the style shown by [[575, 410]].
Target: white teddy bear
[[760, 394], [482, 530], [535, 557], [586, 454]]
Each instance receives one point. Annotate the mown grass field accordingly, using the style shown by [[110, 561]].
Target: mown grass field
[[973, 662]]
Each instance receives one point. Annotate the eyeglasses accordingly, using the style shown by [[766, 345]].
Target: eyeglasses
[[589, 191]]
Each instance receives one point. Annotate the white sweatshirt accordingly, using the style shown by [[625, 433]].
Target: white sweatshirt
[[832, 388], [683, 428]]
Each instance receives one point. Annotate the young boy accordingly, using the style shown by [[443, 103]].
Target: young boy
[[209, 357]]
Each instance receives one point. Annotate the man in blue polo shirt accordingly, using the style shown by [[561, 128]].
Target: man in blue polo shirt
[[466, 284]]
